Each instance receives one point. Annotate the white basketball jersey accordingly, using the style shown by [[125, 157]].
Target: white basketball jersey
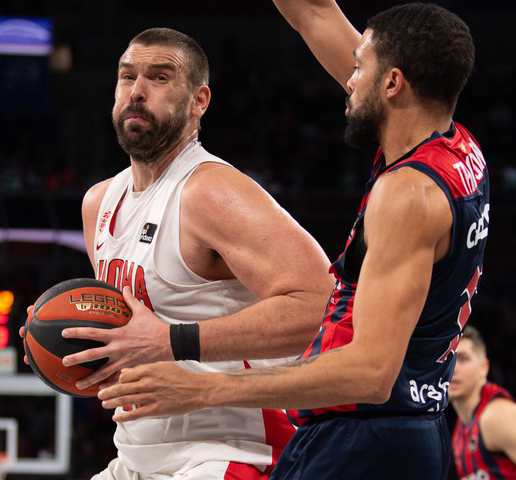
[[159, 278]]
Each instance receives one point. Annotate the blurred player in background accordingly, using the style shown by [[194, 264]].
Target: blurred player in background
[[484, 438], [218, 271], [369, 393]]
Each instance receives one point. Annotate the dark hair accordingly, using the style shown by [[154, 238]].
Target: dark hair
[[473, 334], [430, 45], [198, 68]]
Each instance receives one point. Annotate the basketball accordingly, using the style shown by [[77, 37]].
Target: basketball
[[81, 302]]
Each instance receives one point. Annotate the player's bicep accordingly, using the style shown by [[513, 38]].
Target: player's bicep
[[260, 242], [404, 222]]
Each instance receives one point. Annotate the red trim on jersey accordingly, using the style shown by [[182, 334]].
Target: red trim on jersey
[[458, 161], [115, 213], [242, 471], [278, 432]]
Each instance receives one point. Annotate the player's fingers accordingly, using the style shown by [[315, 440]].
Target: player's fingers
[[131, 375], [133, 303], [100, 334], [21, 332], [134, 414], [26, 359], [86, 356], [30, 308], [96, 377]]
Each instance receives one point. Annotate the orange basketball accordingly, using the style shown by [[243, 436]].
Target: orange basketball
[[81, 302]]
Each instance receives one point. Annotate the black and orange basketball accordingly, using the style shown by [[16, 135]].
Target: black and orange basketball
[[81, 302]]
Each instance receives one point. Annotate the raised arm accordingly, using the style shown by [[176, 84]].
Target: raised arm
[[327, 32], [408, 219]]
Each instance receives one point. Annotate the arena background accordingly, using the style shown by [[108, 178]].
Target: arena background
[[275, 114]]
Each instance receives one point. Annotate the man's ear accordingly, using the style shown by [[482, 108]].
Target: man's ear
[[201, 100]]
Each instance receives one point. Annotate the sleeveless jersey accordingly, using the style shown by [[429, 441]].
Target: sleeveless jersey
[[166, 444], [454, 161], [472, 459]]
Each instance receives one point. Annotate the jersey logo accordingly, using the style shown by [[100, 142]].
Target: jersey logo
[[99, 245], [473, 443], [478, 231], [148, 231], [103, 221]]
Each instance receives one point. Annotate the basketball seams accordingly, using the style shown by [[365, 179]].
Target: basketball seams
[[69, 286]]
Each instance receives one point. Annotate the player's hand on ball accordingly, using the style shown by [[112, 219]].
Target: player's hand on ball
[[21, 332], [144, 339], [158, 389]]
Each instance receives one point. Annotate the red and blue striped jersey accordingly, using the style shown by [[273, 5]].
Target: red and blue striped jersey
[[455, 162], [472, 458]]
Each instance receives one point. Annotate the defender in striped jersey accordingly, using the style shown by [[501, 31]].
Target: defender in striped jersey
[[369, 392], [484, 438]]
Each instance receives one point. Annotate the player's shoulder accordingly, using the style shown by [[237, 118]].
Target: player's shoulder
[[496, 410], [94, 195], [498, 422], [409, 191], [408, 202], [219, 185]]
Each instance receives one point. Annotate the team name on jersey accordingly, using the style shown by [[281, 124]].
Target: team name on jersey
[[120, 273], [471, 170]]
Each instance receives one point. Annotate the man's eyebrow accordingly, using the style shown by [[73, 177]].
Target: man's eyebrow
[[155, 66]]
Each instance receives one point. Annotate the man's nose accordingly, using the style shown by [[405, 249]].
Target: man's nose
[[139, 92]]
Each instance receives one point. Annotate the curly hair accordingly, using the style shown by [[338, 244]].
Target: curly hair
[[198, 68], [430, 45]]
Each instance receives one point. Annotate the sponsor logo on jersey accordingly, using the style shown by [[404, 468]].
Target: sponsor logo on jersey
[[148, 231], [473, 443], [478, 230], [104, 220]]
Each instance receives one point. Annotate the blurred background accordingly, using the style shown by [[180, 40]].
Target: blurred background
[[275, 114]]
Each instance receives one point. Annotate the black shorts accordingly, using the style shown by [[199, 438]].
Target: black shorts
[[368, 448]]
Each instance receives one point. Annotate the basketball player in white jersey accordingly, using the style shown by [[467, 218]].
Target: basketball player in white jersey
[[218, 271]]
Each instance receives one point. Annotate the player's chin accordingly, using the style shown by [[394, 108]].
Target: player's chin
[[454, 392]]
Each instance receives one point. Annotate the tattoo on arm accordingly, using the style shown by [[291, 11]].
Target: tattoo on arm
[[267, 372]]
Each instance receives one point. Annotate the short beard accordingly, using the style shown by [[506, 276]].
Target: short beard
[[363, 124], [147, 145]]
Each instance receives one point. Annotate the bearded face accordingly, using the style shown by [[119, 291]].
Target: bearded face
[[146, 139], [364, 120]]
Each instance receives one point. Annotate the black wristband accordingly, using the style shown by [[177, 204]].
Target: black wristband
[[184, 338]]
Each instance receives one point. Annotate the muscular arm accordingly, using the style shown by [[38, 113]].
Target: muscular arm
[[498, 427], [327, 32], [224, 211], [407, 217]]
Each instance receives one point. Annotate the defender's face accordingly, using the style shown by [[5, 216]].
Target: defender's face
[[365, 106], [470, 371], [362, 84]]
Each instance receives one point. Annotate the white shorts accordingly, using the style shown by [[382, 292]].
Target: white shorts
[[203, 471]]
